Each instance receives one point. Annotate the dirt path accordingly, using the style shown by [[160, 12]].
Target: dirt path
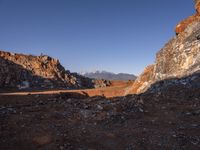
[[117, 89]]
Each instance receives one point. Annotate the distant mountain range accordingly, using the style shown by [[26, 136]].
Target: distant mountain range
[[109, 75]]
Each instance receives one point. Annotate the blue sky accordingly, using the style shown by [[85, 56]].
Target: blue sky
[[88, 35]]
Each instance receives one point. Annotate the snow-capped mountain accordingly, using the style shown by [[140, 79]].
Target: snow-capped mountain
[[109, 75]]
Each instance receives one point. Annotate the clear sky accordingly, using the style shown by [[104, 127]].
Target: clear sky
[[87, 35]]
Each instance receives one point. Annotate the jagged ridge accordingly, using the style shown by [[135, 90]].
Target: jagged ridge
[[22, 71]]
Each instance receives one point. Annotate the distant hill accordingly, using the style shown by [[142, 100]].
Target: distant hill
[[109, 75]]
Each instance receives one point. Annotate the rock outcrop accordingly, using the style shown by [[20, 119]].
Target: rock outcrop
[[197, 6], [183, 24], [24, 71], [179, 58]]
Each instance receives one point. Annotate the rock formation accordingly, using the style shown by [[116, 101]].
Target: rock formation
[[197, 6], [179, 58], [183, 24], [24, 71]]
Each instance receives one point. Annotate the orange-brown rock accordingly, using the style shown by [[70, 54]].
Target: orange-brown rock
[[179, 58], [143, 80], [28, 71], [197, 7], [183, 24]]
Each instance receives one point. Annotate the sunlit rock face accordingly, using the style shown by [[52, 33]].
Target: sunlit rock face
[[183, 24], [144, 81], [24, 71], [180, 57], [197, 6]]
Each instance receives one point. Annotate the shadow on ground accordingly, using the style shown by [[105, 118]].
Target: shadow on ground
[[165, 117]]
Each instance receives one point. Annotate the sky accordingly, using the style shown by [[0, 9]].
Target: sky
[[87, 35]]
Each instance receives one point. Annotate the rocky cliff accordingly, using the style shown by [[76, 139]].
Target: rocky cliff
[[24, 71], [179, 58]]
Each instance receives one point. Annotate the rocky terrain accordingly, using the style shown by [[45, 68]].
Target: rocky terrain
[[41, 72], [164, 119], [109, 76], [180, 57], [164, 112]]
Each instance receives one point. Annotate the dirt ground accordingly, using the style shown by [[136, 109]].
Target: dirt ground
[[116, 89], [74, 121]]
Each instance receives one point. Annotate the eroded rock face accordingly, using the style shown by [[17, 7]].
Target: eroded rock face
[[180, 57], [197, 6], [144, 80], [24, 71], [183, 24]]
